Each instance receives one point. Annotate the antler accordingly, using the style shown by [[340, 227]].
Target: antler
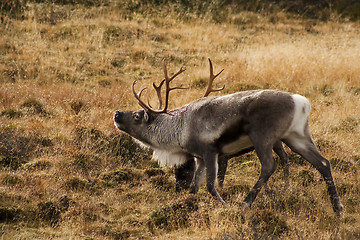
[[138, 97], [211, 79], [167, 81], [158, 92], [167, 86]]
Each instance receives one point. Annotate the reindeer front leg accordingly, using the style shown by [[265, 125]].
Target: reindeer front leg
[[184, 174], [199, 175], [211, 164]]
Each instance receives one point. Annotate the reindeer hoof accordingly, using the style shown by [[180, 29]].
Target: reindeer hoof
[[224, 204], [193, 189], [339, 210], [287, 186], [244, 205]]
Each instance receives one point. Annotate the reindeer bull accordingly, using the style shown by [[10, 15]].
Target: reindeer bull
[[213, 127]]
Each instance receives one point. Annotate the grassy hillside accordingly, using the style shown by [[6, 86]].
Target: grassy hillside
[[67, 173]]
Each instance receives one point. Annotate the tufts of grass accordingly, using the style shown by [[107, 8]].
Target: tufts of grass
[[326, 90], [297, 159], [114, 34], [162, 183], [245, 87], [121, 176], [13, 8], [342, 165], [115, 145], [349, 125], [76, 184], [268, 225], [48, 212], [11, 113], [33, 106], [172, 217], [77, 106], [12, 180], [11, 162], [16, 147], [8, 215], [151, 172], [306, 178], [232, 191], [200, 83]]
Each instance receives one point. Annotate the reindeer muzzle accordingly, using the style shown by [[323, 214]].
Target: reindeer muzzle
[[117, 116]]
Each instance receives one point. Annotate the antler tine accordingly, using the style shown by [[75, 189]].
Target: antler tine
[[167, 81], [138, 96], [211, 79], [167, 85], [158, 91]]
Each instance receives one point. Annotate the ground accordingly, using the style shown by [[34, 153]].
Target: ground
[[67, 173]]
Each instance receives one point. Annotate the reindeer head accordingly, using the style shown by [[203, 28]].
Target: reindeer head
[[139, 123], [135, 122]]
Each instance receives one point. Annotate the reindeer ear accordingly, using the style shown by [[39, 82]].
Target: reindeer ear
[[146, 116]]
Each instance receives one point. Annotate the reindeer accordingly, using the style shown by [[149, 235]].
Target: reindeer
[[213, 127]]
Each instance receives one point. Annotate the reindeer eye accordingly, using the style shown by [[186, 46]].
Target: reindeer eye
[[136, 116]]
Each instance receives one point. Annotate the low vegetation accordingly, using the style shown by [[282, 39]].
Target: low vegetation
[[66, 66]]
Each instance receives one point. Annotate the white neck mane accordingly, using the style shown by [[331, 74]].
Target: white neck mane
[[167, 158], [164, 157]]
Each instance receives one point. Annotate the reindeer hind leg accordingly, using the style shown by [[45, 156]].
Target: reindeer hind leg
[[304, 146], [279, 150], [264, 152], [222, 166]]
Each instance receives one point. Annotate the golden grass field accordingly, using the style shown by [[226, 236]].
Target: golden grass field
[[67, 173]]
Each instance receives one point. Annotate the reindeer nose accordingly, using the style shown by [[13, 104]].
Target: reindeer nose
[[117, 116]]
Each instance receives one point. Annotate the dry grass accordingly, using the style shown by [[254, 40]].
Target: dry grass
[[66, 173]]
